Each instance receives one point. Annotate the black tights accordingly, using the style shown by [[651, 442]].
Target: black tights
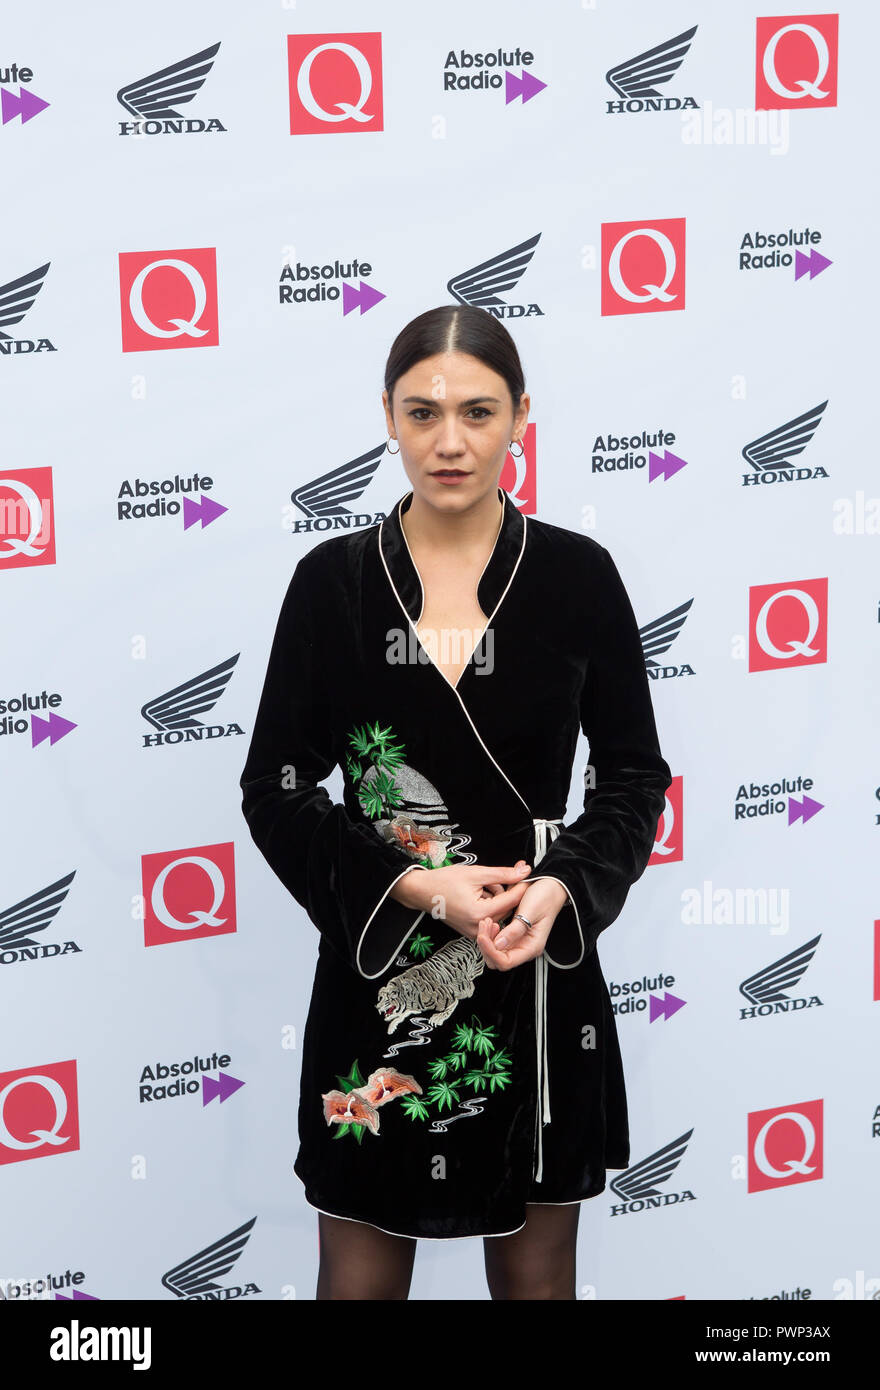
[[359, 1261]]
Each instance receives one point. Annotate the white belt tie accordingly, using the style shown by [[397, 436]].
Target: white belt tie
[[543, 828]]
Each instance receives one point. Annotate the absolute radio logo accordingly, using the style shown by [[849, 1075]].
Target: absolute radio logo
[[174, 713], [766, 251], [466, 71], [758, 799], [637, 996], [328, 283], [483, 285], [196, 1277], [45, 1287], [669, 840], [637, 80], [169, 1080], [643, 266], [169, 299], [20, 924], [788, 624], [16, 298], [658, 636], [796, 61], [785, 1145], [39, 1112], [335, 83], [19, 106], [770, 455], [767, 990], [622, 453], [188, 893], [153, 101], [168, 497], [640, 1185], [27, 518], [14, 711], [323, 502]]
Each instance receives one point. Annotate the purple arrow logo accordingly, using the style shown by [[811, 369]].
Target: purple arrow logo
[[205, 510], [815, 263], [26, 104], [665, 467], [526, 86], [65, 1298], [665, 1007], [225, 1087], [802, 810], [364, 298], [53, 729]]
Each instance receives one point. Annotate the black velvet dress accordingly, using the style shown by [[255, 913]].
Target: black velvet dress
[[439, 1097]]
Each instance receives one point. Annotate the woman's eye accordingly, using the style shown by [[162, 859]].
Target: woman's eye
[[422, 410]]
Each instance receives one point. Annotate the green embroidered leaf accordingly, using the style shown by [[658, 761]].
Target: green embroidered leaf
[[463, 1036], [341, 1131], [500, 1079], [477, 1079], [359, 1132], [483, 1040], [444, 1093], [501, 1060], [420, 945], [370, 799], [415, 1108], [438, 1068], [354, 1078], [456, 1060]]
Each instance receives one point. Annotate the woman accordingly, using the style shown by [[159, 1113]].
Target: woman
[[461, 1073]]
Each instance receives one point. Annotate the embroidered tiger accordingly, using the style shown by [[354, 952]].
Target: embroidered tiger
[[436, 983]]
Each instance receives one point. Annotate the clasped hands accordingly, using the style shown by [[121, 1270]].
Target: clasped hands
[[478, 905]]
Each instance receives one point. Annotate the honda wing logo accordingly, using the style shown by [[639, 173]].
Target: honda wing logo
[[641, 76], [19, 922], [767, 985], [17, 296], [197, 1276], [484, 284], [773, 450], [155, 98], [177, 709], [639, 1185], [326, 497], [658, 636]]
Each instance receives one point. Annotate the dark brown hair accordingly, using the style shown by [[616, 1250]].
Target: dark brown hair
[[456, 328]]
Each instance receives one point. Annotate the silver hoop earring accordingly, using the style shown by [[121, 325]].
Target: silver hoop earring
[[390, 450], [522, 448]]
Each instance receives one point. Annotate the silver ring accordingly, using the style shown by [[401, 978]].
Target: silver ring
[[529, 926]]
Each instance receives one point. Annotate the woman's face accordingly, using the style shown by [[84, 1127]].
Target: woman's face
[[453, 414]]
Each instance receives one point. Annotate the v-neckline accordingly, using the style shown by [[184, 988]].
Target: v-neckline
[[494, 580]]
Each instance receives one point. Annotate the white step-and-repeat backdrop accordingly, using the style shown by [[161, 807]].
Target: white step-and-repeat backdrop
[[217, 218]]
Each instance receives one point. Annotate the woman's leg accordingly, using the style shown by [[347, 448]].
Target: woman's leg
[[360, 1261], [537, 1262]]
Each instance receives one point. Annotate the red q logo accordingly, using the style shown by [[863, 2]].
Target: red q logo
[[785, 1145], [27, 533], [169, 299], [796, 62], [38, 1112], [335, 83], [188, 893], [518, 474], [643, 266], [788, 624], [669, 844]]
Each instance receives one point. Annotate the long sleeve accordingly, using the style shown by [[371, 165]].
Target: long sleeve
[[606, 849], [337, 869]]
